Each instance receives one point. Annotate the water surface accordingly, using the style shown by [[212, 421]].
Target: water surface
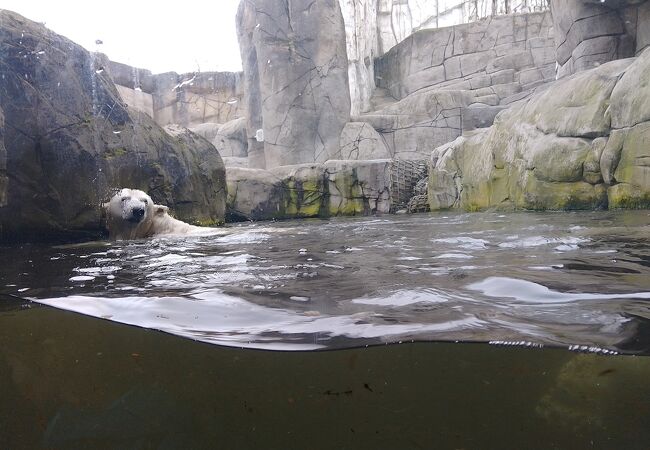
[[577, 280]]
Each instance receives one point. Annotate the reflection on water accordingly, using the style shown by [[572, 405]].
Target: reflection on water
[[579, 280]]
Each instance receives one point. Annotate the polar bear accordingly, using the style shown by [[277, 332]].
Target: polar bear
[[131, 214]]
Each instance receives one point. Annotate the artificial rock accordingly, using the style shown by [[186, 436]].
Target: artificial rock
[[69, 139], [333, 188], [581, 144], [295, 79]]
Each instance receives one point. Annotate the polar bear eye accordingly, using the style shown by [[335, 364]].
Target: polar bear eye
[[125, 199], [145, 201]]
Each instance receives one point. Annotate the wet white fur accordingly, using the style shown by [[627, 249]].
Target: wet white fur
[[123, 224]]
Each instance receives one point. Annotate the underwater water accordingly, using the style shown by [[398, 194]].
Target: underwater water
[[524, 282]]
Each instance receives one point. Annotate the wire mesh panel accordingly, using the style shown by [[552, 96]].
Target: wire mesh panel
[[405, 175]]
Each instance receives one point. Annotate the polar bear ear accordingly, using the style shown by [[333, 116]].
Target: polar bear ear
[[160, 209]]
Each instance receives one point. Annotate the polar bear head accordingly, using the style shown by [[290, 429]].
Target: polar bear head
[[130, 214]]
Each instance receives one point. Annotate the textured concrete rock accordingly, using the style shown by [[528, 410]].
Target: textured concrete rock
[[246, 29], [195, 98], [479, 116], [206, 130], [581, 144], [416, 125], [632, 174], [643, 31], [235, 161], [360, 19], [138, 100], [589, 33], [253, 194], [468, 53], [296, 77], [488, 64], [512, 166], [335, 188], [187, 99], [360, 141], [630, 100], [579, 105], [69, 139], [231, 139]]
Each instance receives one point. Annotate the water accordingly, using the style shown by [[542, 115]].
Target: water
[[575, 280], [523, 282], [73, 382]]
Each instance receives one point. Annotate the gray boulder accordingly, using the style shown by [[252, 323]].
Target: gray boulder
[[69, 140], [417, 124], [558, 150], [206, 130], [334, 188], [589, 33], [360, 141], [231, 139], [296, 79]]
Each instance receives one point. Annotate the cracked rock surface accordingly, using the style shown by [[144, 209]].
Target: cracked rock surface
[[334, 188], [589, 33], [581, 144], [69, 139], [295, 79], [446, 81]]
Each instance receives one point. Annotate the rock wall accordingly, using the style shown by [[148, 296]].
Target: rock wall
[[591, 32], [514, 50], [373, 27], [439, 83], [360, 17], [295, 79], [334, 188], [398, 19], [187, 99], [581, 144], [69, 139]]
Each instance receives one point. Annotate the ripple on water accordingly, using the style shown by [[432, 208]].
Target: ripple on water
[[529, 292], [464, 242], [346, 282]]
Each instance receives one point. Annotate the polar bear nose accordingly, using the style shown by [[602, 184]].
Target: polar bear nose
[[137, 213]]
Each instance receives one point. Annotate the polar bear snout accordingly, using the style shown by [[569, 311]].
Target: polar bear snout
[[136, 215]]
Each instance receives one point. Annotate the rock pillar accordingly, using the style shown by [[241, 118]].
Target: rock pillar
[[295, 79]]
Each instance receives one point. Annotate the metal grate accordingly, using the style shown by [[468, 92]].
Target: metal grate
[[418, 203], [404, 176]]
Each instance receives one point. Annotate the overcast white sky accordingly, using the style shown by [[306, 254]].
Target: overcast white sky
[[162, 35]]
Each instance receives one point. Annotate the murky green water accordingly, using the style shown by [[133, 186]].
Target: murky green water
[[71, 382], [571, 280]]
